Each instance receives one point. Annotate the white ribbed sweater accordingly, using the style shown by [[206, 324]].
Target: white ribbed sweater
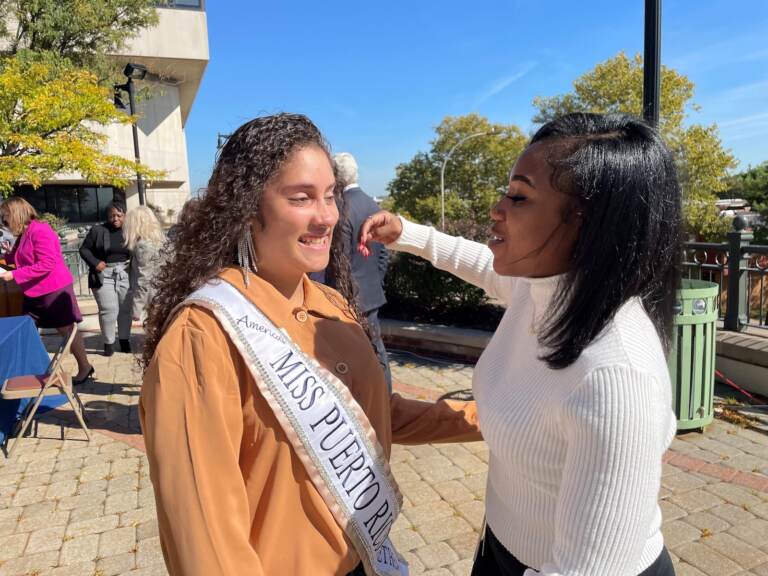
[[575, 454]]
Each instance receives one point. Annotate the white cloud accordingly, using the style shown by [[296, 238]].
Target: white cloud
[[744, 127], [748, 48], [757, 89], [503, 83], [751, 119]]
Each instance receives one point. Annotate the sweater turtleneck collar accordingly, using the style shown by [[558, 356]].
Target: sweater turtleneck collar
[[542, 290]]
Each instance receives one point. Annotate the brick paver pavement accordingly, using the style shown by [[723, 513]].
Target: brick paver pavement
[[69, 507]]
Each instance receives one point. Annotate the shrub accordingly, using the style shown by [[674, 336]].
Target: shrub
[[417, 291], [55, 222]]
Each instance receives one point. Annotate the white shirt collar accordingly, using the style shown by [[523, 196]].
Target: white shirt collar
[[353, 185]]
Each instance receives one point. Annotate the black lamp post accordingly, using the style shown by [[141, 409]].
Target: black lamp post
[[221, 139], [133, 72], [652, 62]]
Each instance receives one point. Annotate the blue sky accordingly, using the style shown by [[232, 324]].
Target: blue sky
[[378, 77]]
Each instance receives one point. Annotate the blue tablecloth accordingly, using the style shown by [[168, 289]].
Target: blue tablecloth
[[21, 352]]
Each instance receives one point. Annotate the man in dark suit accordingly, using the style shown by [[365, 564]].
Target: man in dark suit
[[368, 273]]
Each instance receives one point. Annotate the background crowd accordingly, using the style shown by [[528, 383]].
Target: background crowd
[[122, 254]]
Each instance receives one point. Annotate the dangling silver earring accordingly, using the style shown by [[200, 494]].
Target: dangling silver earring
[[246, 255]]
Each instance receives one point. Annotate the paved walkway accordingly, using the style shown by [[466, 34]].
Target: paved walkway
[[69, 507]]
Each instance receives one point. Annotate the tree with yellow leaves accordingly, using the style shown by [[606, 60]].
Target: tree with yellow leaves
[[616, 85], [50, 115]]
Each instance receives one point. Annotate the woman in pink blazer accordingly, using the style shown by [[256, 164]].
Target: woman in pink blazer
[[43, 276]]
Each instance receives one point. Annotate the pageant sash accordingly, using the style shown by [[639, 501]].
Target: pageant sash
[[329, 431]]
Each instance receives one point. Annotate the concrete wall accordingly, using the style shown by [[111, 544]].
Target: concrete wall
[[175, 50], [179, 34], [743, 357], [751, 377]]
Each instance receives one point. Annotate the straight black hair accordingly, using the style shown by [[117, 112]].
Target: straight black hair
[[624, 186]]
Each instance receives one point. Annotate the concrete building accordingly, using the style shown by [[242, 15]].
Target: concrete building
[[175, 52]]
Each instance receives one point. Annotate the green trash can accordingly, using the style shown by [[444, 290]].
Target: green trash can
[[692, 358]]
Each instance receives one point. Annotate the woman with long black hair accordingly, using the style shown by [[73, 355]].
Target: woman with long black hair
[[265, 413], [573, 393]]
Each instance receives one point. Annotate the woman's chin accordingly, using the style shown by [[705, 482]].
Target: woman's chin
[[316, 264], [503, 269]]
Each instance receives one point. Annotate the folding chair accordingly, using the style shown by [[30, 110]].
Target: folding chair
[[56, 380]]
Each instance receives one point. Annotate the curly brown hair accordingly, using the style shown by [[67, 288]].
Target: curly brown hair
[[206, 237]]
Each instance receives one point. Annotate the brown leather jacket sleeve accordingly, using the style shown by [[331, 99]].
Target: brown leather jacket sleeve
[[191, 416]]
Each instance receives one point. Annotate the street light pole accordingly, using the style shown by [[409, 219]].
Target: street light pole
[[442, 171], [139, 178], [138, 72], [652, 62], [221, 139]]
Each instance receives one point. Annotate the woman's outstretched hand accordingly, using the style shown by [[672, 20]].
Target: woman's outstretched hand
[[382, 227]]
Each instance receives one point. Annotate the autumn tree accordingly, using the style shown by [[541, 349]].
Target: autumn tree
[[616, 85], [50, 112], [56, 91]]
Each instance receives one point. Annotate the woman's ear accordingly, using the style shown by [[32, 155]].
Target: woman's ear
[[573, 213]]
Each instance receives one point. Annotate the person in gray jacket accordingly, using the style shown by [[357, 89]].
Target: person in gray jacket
[[143, 237]]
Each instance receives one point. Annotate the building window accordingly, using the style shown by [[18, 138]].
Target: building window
[[188, 4], [78, 204]]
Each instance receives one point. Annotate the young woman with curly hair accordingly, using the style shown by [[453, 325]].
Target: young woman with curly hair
[[236, 490]]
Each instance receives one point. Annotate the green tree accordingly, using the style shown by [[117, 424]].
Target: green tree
[[478, 170], [49, 117], [81, 31], [616, 85], [752, 185]]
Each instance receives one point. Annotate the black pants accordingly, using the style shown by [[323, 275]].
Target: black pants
[[497, 561]]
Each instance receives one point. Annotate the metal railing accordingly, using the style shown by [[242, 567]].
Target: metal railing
[[184, 4], [77, 267], [740, 269], [737, 266]]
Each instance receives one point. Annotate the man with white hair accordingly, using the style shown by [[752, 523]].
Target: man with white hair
[[368, 273]]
